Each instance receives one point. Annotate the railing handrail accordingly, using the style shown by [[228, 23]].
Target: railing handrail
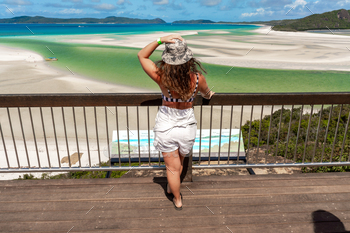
[[154, 99]]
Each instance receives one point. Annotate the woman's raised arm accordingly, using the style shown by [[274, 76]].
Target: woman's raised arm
[[147, 64]]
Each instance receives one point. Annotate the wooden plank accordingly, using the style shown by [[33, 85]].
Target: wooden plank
[[74, 182], [189, 200], [110, 222], [297, 176], [33, 194], [251, 228], [266, 180], [245, 205], [98, 209], [197, 187]]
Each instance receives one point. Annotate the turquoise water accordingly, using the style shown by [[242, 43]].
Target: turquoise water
[[10, 30]]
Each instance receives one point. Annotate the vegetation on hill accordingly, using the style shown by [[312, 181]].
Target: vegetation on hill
[[199, 21], [270, 23], [110, 19], [295, 148], [338, 19]]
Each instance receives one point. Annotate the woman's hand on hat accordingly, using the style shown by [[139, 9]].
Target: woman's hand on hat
[[170, 38]]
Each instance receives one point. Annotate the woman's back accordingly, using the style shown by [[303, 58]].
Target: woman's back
[[174, 100]]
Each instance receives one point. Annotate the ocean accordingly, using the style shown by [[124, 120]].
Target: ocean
[[10, 30], [98, 61]]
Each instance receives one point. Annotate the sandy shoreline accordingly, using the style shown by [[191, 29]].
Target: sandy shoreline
[[28, 72]]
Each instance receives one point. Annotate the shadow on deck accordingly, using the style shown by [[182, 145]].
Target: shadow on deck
[[265, 203]]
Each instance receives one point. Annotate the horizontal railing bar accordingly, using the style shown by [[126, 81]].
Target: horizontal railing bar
[[162, 167], [154, 99], [75, 169], [269, 165]]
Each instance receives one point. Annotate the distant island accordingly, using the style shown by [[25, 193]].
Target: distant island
[[338, 19], [270, 23], [199, 21], [110, 19]]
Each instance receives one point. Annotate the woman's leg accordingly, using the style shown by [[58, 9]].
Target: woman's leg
[[182, 157], [173, 166]]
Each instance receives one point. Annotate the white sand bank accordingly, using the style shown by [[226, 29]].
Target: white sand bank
[[268, 49], [134, 41], [23, 71], [278, 50]]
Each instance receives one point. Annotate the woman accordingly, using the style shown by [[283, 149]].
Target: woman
[[175, 127]]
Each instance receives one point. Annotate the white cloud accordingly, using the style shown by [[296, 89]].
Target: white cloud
[[260, 12], [17, 2], [105, 7], [343, 3], [273, 4], [210, 2], [160, 2], [122, 2], [74, 1], [71, 11], [297, 3]]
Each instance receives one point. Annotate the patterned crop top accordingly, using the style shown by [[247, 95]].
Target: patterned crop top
[[171, 99]]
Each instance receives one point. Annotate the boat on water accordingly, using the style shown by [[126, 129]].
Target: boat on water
[[51, 59]]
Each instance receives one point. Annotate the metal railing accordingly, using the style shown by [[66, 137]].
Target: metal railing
[[73, 132]]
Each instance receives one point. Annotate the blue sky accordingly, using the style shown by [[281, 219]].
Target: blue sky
[[171, 10]]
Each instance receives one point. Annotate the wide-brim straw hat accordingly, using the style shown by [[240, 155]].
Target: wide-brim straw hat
[[176, 53]]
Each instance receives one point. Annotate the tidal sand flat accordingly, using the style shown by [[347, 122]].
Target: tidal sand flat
[[277, 50], [23, 71], [114, 60], [267, 48]]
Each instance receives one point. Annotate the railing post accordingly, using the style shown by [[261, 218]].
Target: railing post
[[186, 175]]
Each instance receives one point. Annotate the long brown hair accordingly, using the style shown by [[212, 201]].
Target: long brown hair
[[177, 77]]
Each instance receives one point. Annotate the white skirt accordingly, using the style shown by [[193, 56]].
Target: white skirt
[[174, 129]]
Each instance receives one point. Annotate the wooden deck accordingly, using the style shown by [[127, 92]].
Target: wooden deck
[[265, 203]]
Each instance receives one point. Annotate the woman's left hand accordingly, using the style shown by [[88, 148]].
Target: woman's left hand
[[169, 39]]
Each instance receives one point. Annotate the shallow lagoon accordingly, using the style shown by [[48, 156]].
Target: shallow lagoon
[[120, 65]]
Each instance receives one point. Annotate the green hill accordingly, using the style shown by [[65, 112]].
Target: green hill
[[271, 22], [338, 19], [110, 19], [199, 21]]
